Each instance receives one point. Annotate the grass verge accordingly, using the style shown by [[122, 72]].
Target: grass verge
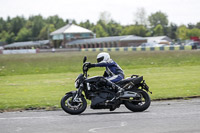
[[46, 90], [168, 74]]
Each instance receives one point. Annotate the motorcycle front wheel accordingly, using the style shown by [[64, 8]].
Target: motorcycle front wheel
[[138, 104], [71, 107]]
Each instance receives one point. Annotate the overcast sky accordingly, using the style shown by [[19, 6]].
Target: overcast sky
[[122, 11]]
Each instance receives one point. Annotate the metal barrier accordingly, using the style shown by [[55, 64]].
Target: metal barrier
[[164, 48], [19, 51]]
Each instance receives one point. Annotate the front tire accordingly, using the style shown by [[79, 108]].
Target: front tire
[[139, 105], [71, 107]]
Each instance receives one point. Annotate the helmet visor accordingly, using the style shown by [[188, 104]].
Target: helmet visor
[[100, 59]]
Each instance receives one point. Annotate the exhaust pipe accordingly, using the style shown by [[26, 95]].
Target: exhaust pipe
[[128, 94]]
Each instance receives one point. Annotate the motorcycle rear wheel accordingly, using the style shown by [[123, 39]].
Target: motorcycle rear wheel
[[71, 107], [138, 105]]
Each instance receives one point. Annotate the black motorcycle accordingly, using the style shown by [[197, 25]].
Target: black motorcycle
[[135, 96]]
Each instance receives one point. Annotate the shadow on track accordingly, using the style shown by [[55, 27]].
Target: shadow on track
[[100, 113], [105, 113]]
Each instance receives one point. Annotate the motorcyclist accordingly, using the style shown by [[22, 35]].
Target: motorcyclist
[[113, 72]]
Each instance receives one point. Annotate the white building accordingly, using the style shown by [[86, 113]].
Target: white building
[[159, 39], [71, 32]]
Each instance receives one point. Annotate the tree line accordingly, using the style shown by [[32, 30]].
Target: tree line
[[37, 27]]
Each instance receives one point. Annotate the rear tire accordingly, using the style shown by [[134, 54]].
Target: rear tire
[[73, 107], [139, 105]]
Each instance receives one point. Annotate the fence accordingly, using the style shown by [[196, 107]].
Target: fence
[[21, 51], [165, 48]]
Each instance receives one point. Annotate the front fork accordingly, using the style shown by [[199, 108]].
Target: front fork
[[78, 94]]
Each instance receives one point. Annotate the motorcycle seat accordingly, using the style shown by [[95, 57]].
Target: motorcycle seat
[[124, 81], [137, 80], [134, 80]]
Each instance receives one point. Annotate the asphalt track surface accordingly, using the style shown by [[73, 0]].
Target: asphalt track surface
[[176, 116]]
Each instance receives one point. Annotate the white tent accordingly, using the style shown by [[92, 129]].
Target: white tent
[[71, 31], [70, 28]]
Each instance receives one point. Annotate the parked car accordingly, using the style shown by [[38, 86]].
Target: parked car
[[151, 45], [194, 44]]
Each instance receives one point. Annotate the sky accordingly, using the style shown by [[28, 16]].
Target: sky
[[122, 11]]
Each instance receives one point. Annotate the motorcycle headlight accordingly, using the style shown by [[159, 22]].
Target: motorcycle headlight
[[76, 83]]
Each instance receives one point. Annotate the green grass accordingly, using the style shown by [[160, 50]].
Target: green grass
[[40, 80], [72, 61]]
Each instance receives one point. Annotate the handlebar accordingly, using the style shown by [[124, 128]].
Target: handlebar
[[85, 68]]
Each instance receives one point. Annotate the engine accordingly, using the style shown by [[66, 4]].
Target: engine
[[100, 100]]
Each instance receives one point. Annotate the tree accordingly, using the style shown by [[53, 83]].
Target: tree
[[182, 32], [37, 25], [198, 25], [23, 35], [159, 18], [1, 24], [158, 30], [56, 21], [172, 31], [46, 30], [87, 24], [138, 30], [99, 30], [193, 32], [7, 37], [114, 28], [105, 17], [191, 26], [140, 17], [17, 23], [29, 24]]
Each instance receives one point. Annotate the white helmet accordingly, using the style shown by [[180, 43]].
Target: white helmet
[[103, 56]]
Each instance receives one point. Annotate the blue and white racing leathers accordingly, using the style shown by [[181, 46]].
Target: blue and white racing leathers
[[113, 72]]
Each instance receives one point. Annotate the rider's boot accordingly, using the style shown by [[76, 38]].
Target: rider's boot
[[120, 91]]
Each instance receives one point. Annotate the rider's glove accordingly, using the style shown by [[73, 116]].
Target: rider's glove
[[90, 65]]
